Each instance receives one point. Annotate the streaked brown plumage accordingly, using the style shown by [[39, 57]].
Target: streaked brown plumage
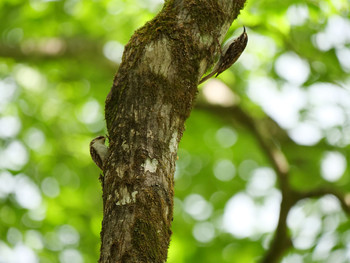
[[230, 53], [98, 150]]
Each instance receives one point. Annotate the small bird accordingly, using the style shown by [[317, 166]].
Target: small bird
[[98, 150], [229, 55]]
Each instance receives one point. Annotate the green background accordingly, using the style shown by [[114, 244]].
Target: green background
[[57, 63]]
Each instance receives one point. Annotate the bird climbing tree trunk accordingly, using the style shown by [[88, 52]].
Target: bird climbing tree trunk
[[151, 97]]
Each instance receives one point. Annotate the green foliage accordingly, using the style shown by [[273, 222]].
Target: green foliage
[[57, 62]]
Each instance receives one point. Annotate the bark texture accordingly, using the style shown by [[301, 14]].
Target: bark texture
[[152, 96]]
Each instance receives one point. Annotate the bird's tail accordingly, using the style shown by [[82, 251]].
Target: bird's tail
[[207, 77]]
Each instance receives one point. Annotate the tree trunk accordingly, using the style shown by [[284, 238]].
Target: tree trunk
[[151, 97]]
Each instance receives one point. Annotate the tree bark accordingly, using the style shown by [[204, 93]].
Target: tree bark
[[152, 96]]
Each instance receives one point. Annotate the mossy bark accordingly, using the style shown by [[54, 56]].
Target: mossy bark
[[152, 96]]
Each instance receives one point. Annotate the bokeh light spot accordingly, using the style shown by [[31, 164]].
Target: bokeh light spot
[[224, 170], [226, 137], [204, 232], [196, 206], [333, 166], [292, 68]]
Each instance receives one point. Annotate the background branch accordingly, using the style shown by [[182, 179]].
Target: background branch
[[320, 192], [281, 241]]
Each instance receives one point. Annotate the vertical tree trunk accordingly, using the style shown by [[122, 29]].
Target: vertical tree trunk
[[151, 97]]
